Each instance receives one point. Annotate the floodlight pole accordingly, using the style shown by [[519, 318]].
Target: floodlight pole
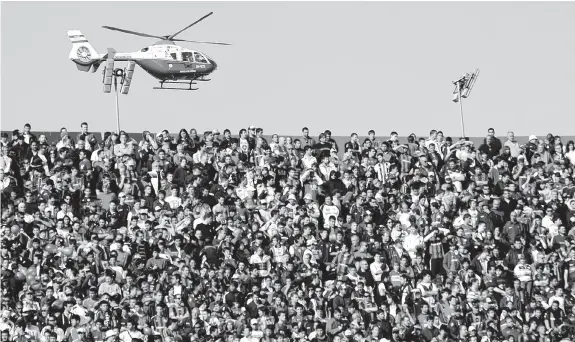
[[459, 86], [463, 87], [1, 308], [117, 103]]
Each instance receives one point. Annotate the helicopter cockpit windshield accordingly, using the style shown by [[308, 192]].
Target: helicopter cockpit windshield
[[200, 58]]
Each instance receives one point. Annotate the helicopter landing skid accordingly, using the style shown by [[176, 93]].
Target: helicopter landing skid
[[161, 87]]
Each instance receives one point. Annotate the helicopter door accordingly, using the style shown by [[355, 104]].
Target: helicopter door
[[175, 55], [187, 57]]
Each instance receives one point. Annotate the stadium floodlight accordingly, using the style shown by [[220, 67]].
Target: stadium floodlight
[[463, 87], [469, 84]]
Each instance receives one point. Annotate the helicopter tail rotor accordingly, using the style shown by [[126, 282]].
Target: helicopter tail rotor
[[82, 53]]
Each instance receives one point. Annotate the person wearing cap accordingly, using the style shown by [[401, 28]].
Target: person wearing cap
[[111, 335], [216, 136], [533, 139], [181, 242]]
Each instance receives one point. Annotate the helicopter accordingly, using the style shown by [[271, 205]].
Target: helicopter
[[164, 60]]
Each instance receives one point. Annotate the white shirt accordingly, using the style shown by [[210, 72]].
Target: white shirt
[[553, 230], [60, 215], [127, 336], [376, 270], [404, 219], [5, 163], [198, 221], [326, 170], [5, 183], [410, 243], [257, 260], [547, 222], [523, 272], [174, 201], [308, 161], [250, 339], [329, 210], [514, 148]]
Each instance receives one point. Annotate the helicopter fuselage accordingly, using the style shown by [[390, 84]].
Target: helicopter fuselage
[[167, 61]]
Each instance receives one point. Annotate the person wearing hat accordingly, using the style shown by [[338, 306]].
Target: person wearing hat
[[111, 335], [308, 197], [533, 139], [292, 202]]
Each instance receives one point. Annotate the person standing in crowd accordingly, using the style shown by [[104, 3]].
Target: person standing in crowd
[[235, 239]]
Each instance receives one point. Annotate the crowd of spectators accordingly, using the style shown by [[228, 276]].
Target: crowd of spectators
[[214, 237]]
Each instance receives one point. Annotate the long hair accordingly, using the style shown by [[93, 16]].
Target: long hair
[[186, 138]]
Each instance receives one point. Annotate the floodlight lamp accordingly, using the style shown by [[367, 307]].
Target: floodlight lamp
[[470, 83]]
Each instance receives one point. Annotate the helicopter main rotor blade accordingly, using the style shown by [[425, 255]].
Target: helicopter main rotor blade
[[132, 32], [187, 27], [200, 42]]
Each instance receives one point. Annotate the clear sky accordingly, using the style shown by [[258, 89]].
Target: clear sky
[[327, 65]]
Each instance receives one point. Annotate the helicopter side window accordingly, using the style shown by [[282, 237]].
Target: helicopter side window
[[174, 56], [187, 57], [145, 49], [199, 58]]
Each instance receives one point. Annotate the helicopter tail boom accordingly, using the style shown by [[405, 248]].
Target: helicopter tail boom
[[82, 53]]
